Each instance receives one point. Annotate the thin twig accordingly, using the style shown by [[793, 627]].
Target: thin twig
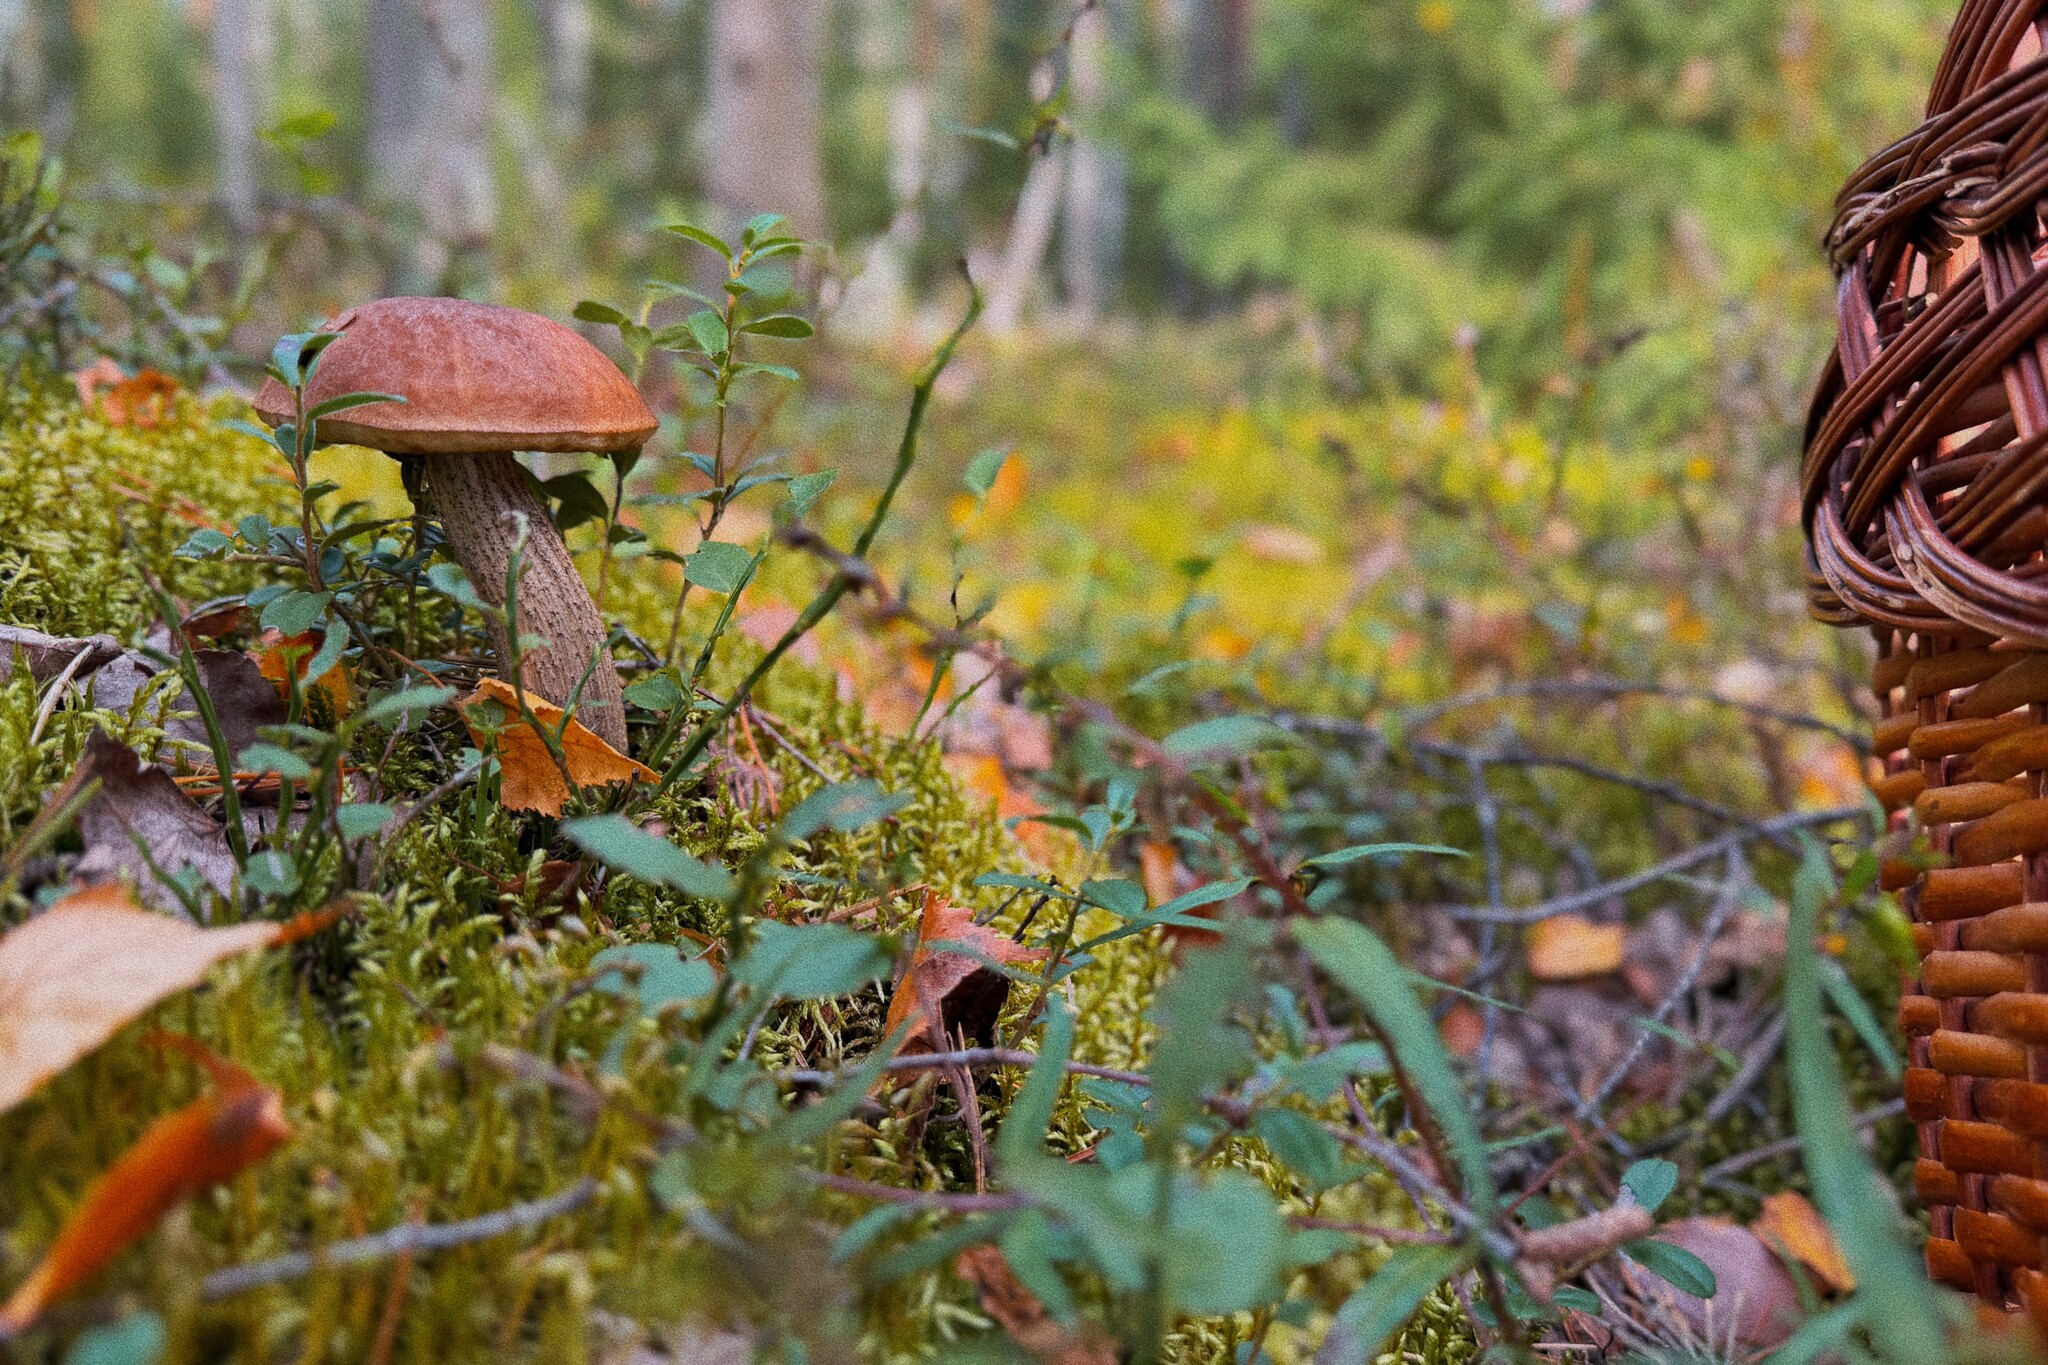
[[1721, 1170], [412, 1238], [1692, 857]]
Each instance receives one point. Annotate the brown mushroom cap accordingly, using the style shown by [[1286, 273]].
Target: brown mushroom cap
[[476, 377]]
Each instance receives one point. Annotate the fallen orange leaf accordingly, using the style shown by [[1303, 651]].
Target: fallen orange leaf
[[531, 779], [1793, 1225], [1158, 868], [208, 1141], [1567, 947], [954, 987], [1463, 1029], [270, 662], [73, 975]]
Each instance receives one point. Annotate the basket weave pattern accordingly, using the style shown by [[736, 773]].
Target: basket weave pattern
[[1925, 487]]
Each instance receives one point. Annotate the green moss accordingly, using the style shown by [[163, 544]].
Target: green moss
[[380, 1034], [85, 505]]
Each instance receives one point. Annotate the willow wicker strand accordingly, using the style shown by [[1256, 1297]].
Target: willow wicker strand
[[1925, 489]]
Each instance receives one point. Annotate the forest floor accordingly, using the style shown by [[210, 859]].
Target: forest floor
[[1156, 686]]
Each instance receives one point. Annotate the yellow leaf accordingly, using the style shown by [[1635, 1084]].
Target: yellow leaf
[[1567, 947], [270, 662], [531, 779], [1792, 1224], [73, 975]]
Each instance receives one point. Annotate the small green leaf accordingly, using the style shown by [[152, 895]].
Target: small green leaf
[[1302, 1145], [657, 692], [1207, 741], [271, 873], [1118, 895], [709, 330], [344, 402], [700, 236], [411, 701], [269, 758], [844, 807], [590, 310], [1684, 1271], [667, 977], [363, 819], [623, 846], [788, 326], [806, 489], [1651, 1181], [1358, 851], [295, 612], [983, 469], [1359, 961], [135, 1340], [811, 961], [719, 567], [1383, 1304]]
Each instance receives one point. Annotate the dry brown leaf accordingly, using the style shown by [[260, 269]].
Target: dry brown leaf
[[140, 802], [1755, 1301], [1570, 947], [954, 987], [531, 779], [208, 1141], [48, 656], [1022, 1315], [271, 663], [1159, 870], [73, 975], [1793, 1225]]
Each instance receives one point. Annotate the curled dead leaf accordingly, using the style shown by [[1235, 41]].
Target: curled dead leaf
[[1571, 947], [946, 992], [50, 656], [206, 1142], [531, 781], [73, 975], [1792, 1224]]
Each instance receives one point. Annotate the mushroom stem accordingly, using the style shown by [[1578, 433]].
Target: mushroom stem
[[473, 494]]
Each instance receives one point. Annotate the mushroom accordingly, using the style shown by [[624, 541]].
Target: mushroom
[[481, 382]]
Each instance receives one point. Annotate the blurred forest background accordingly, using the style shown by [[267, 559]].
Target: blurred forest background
[[1533, 186]]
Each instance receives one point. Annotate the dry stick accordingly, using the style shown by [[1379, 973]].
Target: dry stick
[[1721, 1170], [1717, 919], [1605, 688], [1692, 857], [405, 1238]]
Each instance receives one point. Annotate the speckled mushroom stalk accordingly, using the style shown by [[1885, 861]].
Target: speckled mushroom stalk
[[481, 382], [476, 496]]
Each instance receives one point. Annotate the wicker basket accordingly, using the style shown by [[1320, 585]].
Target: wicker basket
[[1926, 505]]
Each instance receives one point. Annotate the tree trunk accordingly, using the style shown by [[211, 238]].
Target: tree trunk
[[761, 111], [1217, 58], [566, 40], [474, 495], [1092, 224], [238, 45], [431, 82], [1030, 233]]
